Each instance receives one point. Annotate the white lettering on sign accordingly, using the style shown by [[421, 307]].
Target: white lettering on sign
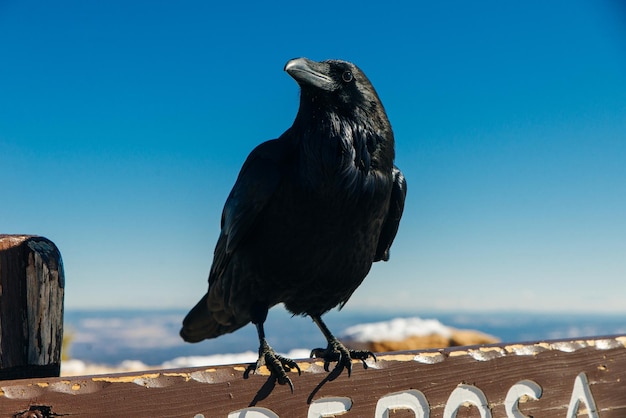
[[581, 393], [329, 407], [253, 412], [408, 399], [462, 396], [524, 389]]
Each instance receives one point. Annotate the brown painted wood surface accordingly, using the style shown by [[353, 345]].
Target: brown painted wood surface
[[219, 391], [31, 307]]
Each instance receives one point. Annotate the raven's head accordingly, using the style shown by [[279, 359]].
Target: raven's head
[[339, 87], [337, 101]]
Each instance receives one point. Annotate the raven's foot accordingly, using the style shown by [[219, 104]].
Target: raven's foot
[[276, 364], [339, 353]]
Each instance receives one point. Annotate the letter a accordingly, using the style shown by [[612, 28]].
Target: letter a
[[581, 393]]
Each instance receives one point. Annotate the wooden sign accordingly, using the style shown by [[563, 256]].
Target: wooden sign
[[564, 379]]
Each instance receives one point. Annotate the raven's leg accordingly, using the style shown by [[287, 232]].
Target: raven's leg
[[337, 351], [277, 365]]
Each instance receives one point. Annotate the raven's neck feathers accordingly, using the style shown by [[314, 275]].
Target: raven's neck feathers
[[352, 152]]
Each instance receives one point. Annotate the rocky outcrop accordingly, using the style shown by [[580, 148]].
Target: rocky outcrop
[[411, 334]]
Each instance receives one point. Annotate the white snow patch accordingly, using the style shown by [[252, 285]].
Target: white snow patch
[[79, 367], [220, 359], [396, 329]]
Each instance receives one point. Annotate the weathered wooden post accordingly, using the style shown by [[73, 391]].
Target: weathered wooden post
[[31, 307]]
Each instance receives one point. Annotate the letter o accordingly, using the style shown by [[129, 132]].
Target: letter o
[[329, 407], [466, 394], [254, 412], [407, 399]]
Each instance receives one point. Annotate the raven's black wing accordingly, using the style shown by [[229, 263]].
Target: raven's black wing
[[257, 181], [390, 225]]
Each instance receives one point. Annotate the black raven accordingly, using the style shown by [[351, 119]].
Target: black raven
[[308, 215]]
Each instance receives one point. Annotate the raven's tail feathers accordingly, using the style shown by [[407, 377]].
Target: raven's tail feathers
[[201, 324]]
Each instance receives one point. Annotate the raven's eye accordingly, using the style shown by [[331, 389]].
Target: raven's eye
[[347, 76]]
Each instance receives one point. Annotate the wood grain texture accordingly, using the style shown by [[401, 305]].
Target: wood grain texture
[[491, 371], [31, 307]]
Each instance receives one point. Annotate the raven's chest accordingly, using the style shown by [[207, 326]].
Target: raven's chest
[[335, 220]]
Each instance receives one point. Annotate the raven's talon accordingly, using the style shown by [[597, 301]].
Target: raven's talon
[[251, 368], [283, 379], [337, 352], [328, 354], [362, 355], [288, 382], [288, 364], [277, 365]]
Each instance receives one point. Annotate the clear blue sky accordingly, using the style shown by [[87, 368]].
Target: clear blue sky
[[123, 126]]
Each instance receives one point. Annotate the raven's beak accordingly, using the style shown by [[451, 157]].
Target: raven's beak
[[310, 73]]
